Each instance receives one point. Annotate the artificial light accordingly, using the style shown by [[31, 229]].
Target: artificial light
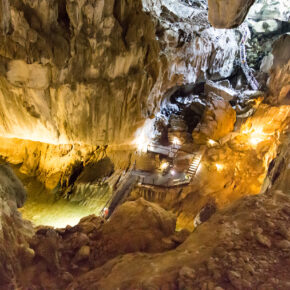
[[172, 172], [211, 142], [219, 167], [164, 165], [255, 140], [176, 141]]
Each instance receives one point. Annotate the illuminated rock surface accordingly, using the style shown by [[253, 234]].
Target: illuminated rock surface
[[92, 72], [86, 86], [218, 120]]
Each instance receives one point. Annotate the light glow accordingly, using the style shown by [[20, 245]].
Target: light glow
[[211, 142], [172, 172], [266, 126], [164, 165], [219, 167], [144, 136], [255, 140], [176, 141]]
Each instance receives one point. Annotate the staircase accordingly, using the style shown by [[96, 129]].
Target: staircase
[[194, 165]]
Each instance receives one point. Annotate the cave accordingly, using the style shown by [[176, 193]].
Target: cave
[[144, 144]]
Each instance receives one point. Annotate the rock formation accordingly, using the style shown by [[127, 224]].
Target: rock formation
[[218, 120], [145, 160], [14, 234], [279, 82], [92, 72], [228, 14], [235, 249]]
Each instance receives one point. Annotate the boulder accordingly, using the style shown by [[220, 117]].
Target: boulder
[[138, 226], [228, 14], [218, 120], [226, 93]]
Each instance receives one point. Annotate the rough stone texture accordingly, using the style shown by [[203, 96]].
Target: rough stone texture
[[267, 20], [92, 71], [218, 120], [268, 9], [223, 253], [279, 82], [242, 167], [61, 253], [55, 164], [227, 93], [228, 13], [15, 252]]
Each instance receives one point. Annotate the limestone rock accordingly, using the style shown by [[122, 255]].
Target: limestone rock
[[225, 92], [279, 81], [15, 252], [241, 265], [225, 14], [218, 120], [93, 71], [151, 224]]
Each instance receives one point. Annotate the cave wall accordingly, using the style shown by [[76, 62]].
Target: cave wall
[[15, 232], [55, 165], [91, 72], [279, 81]]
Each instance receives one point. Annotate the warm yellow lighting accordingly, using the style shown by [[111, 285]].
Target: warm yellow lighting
[[255, 140], [176, 141], [266, 125], [211, 142], [219, 167], [164, 165], [144, 135], [142, 143]]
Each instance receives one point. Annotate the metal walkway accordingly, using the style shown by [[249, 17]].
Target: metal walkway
[[169, 151], [153, 179], [168, 180]]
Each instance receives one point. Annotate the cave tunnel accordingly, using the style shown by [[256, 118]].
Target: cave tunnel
[[144, 144]]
